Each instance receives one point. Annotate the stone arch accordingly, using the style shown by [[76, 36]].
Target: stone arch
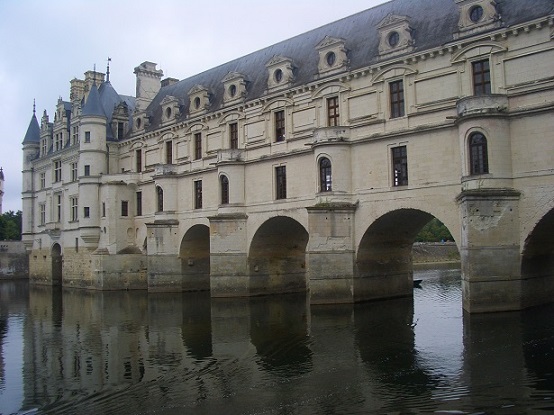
[[277, 257], [537, 263], [57, 264], [384, 256], [194, 253]]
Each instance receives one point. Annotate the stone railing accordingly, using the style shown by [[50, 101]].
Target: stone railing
[[482, 105]]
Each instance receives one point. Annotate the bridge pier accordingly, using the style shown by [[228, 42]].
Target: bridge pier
[[331, 255], [490, 250], [229, 275]]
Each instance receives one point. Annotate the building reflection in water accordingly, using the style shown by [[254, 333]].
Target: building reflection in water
[[134, 352]]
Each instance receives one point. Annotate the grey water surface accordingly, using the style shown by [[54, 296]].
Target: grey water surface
[[83, 352]]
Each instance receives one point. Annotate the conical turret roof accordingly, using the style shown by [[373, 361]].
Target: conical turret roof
[[33, 131], [93, 106]]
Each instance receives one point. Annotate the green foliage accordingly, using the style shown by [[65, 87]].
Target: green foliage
[[434, 231], [10, 226]]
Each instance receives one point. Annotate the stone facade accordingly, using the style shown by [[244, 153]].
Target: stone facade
[[311, 165]]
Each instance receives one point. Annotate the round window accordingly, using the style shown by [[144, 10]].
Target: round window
[[197, 102], [278, 75], [476, 13], [168, 112], [233, 90], [394, 38], [331, 58]]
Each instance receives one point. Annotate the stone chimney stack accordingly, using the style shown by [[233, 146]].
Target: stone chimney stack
[[148, 84]]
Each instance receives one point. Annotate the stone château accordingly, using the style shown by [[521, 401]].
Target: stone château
[[312, 164]]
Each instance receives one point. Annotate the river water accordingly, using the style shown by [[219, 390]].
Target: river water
[[82, 352]]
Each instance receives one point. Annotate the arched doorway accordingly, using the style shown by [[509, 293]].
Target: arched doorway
[[195, 258], [537, 263], [277, 257], [57, 261]]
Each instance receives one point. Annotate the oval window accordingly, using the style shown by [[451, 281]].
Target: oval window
[[331, 58], [278, 75], [476, 13], [196, 102], [394, 38], [233, 90]]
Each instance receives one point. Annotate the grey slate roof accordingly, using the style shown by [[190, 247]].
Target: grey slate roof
[[433, 21], [33, 131]]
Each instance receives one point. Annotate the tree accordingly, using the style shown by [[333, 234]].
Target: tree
[[434, 231], [10, 226]]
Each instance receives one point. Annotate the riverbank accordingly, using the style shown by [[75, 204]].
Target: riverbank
[[438, 254]]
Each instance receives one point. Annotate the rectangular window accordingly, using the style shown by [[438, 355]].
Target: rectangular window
[[43, 146], [57, 171], [86, 212], [74, 172], [120, 130], [281, 182], [59, 141], [74, 208], [400, 166], [42, 213], [197, 146], [87, 170], [139, 203], [75, 135], [87, 136], [198, 194], [280, 126], [481, 77], [42, 180], [58, 208], [138, 156], [234, 135], [124, 208], [169, 152], [396, 99], [332, 112]]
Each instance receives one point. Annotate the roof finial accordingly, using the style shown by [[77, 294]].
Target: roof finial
[[34, 107], [108, 70], [94, 74]]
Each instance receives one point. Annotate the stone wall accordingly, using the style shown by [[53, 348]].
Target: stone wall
[[14, 262]]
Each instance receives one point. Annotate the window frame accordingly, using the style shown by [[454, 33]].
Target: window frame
[[198, 194], [233, 135], [333, 111], [57, 171], [169, 152], [399, 155], [481, 77], [197, 145], [280, 182], [224, 189], [325, 175], [160, 198], [397, 101], [124, 208], [42, 213], [138, 160], [74, 207], [478, 154], [279, 124]]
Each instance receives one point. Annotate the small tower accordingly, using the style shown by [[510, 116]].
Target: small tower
[[1, 188], [31, 148]]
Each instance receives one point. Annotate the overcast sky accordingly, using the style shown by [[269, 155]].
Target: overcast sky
[[45, 44]]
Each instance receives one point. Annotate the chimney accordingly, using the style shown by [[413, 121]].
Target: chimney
[[148, 83]]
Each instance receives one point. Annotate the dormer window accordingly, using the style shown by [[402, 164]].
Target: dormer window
[[170, 108], [234, 86], [199, 97], [332, 55], [280, 71], [476, 16], [395, 36]]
